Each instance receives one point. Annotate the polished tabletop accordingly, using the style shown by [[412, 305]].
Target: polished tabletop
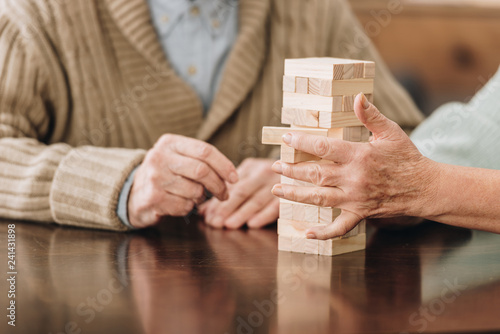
[[183, 277]]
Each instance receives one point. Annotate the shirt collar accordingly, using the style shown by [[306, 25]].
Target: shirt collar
[[167, 13]]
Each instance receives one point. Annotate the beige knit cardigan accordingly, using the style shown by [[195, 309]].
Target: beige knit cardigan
[[85, 89]]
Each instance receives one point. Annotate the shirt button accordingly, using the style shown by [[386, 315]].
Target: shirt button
[[195, 11], [215, 23], [192, 70], [164, 18]]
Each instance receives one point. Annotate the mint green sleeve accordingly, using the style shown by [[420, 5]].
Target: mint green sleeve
[[464, 134]]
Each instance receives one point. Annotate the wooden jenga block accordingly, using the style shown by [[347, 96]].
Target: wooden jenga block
[[312, 102], [322, 88], [284, 243], [359, 69], [362, 227], [294, 228], [331, 88], [348, 103], [286, 211], [311, 213], [272, 135], [311, 246], [369, 97], [365, 134], [353, 133], [302, 85], [300, 117], [299, 213], [289, 84], [287, 180], [324, 68], [303, 245], [328, 215], [369, 70], [338, 119], [348, 72], [292, 156], [298, 183], [341, 246], [351, 233]]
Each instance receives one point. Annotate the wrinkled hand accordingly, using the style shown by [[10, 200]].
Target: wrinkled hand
[[384, 178], [250, 200], [173, 178]]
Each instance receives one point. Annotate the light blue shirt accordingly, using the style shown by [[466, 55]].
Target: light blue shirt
[[464, 134], [197, 37]]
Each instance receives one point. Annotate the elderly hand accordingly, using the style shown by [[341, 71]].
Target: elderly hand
[[250, 200], [384, 178], [173, 178]]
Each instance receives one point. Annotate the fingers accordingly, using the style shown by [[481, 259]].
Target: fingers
[[172, 205], [207, 153], [370, 116], [266, 216], [182, 187], [247, 210], [322, 173], [345, 222], [240, 192], [200, 172], [336, 150], [319, 196]]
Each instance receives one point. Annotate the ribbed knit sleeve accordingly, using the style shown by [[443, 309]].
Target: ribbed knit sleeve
[[351, 41], [49, 183]]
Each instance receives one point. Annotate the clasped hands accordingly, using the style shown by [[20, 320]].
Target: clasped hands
[[384, 178]]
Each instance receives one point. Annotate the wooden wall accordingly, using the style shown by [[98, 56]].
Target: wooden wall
[[450, 47]]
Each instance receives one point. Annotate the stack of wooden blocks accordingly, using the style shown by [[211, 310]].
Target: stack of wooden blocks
[[318, 99]]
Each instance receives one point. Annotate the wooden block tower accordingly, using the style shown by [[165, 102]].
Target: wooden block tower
[[318, 99]]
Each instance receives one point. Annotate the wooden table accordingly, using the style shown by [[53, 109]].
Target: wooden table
[[183, 277]]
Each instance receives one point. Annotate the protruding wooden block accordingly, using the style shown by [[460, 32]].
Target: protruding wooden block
[[272, 135], [284, 243], [289, 84], [297, 183], [328, 215], [338, 119], [341, 246], [292, 156], [302, 85], [300, 117]]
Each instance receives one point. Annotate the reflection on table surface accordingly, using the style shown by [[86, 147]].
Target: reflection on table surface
[[187, 278]]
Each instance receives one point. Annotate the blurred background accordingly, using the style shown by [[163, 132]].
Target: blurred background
[[440, 50]]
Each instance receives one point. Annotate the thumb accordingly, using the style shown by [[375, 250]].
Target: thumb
[[372, 118], [342, 224]]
